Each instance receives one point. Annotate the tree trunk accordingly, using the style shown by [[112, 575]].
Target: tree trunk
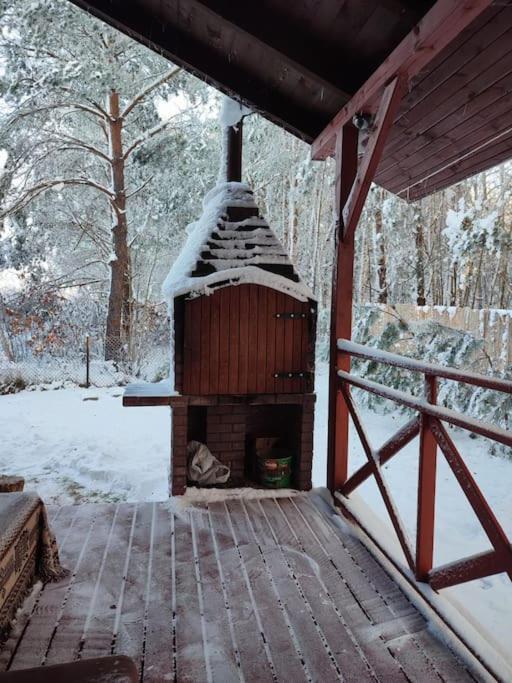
[[420, 261], [453, 285], [118, 316], [381, 258]]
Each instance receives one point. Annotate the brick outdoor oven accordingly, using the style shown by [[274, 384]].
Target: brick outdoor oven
[[244, 326]]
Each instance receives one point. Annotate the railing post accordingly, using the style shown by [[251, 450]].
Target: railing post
[[426, 488], [341, 311]]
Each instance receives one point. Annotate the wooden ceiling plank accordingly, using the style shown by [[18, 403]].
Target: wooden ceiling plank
[[469, 43], [468, 115], [479, 129], [490, 156], [430, 36], [467, 84]]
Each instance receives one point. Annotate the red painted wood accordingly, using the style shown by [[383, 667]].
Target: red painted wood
[[441, 139], [252, 378], [447, 415], [271, 367], [341, 311], [426, 489], [187, 348], [456, 84], [205, 342], [383, 489], [280, 342], [241, 344], [432, 434], [215, 332], [261, 333], [243, 365], [470, 569], [470, 42], [234, 340], [466, 166], [224, 346], [476, 499], [392, 446], [433, 33], [456, 374], [298, 363]]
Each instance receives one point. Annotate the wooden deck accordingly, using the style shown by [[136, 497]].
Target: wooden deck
[[253, 590]]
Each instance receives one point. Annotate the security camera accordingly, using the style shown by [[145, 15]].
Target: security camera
[[362, 121]]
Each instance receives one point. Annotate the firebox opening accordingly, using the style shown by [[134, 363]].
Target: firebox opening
[[282, 423], [196, 428]]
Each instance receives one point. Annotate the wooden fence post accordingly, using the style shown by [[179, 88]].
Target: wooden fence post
[[87, 362], [426, 488]]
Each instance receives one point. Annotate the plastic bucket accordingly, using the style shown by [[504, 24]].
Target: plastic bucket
[[275, 472]]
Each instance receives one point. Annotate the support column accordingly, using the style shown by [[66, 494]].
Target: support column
[[341, 309]]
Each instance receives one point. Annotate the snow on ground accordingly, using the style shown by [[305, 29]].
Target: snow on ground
[[74, 445]]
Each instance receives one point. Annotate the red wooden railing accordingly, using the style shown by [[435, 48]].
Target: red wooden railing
[[433, 434]]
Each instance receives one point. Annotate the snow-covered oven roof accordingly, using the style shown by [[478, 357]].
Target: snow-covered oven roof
[[221, 250]]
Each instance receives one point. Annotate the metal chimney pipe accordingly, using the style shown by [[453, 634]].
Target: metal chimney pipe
[[234, 136]]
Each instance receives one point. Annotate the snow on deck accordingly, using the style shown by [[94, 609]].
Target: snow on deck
[[236, 590]]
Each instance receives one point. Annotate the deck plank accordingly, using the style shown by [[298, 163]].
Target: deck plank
[[287, 655], [159, 660], [398, 621], [128, 638], [348, 654], [238, 590], [44, 621], [219, 636], [69, 633], [231, 542], [190, 654], [98, 633]]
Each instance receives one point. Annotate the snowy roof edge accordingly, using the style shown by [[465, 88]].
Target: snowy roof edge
[[179, 280]]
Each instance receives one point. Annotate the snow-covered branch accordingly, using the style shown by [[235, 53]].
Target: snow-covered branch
[[78, 106], [141, 187], [147, 135], [146, 91], [40, 188]]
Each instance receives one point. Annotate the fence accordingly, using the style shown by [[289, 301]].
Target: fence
[[84, 364]]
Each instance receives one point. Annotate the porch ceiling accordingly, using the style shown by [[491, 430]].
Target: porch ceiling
[[298, 63]]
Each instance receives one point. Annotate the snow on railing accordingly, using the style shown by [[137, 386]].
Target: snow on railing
[[428, 424]]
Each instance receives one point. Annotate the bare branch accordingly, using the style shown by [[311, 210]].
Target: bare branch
[[145, 92]]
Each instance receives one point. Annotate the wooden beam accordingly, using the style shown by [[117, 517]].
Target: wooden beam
[[472, 568], [387, 451], [341, 310], [394, 516], [388, 108], [426, 489], [433, 33], [481, 508]]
